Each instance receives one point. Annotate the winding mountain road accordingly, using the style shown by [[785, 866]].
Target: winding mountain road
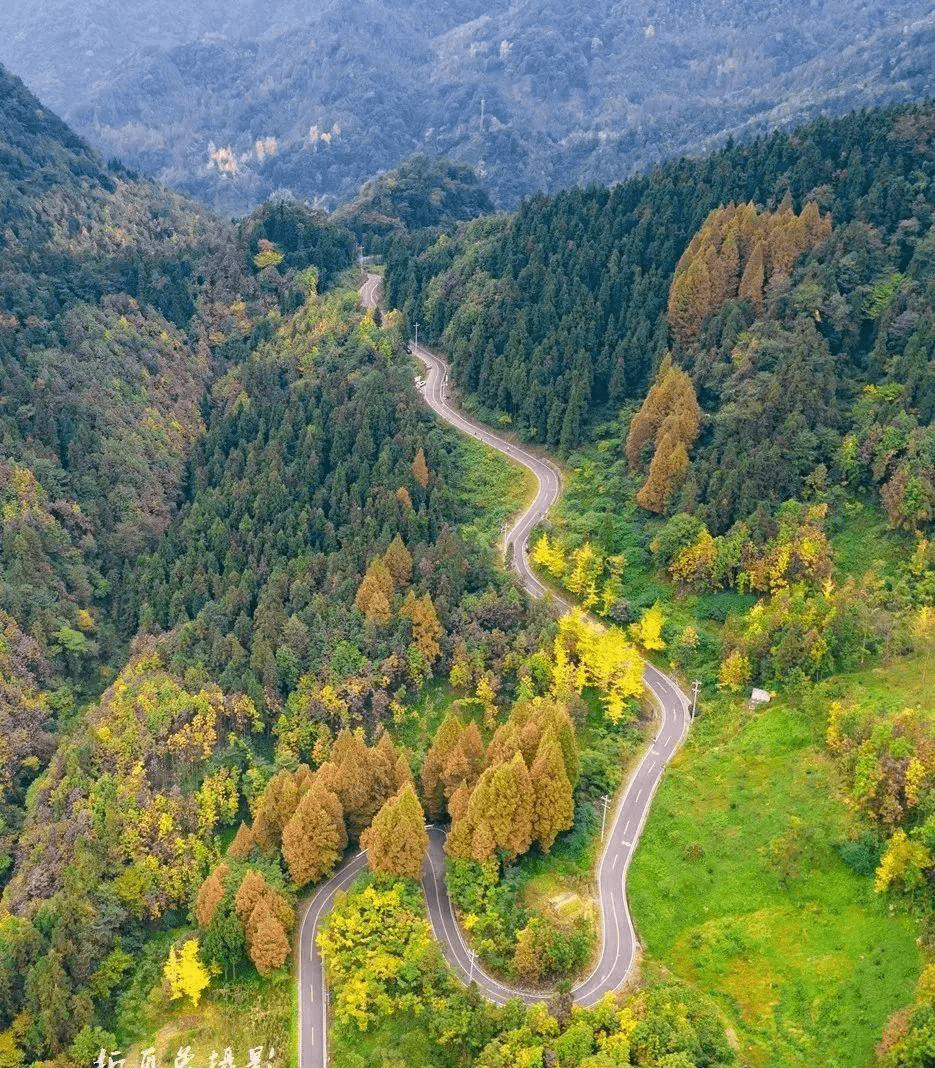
[[435, 391], [618, 938]]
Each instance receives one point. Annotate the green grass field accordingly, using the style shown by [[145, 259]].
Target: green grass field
[[863, 540], [739, 888], [905, 682], [493, 488]]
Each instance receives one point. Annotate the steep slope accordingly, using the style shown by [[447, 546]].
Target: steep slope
[[104, 355], [67, 46], [106, 334], [804, 325], [534, 96]]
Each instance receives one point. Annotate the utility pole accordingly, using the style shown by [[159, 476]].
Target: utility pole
[[361, 248], [606, 801], [473, 954], [417, 335], [696, 686], [482, 105]]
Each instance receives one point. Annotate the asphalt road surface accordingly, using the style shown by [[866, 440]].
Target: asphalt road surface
[[618, 937], [370, 291], [619, 947], [313, 993], [624, 822], [446, 929], [435, 390]]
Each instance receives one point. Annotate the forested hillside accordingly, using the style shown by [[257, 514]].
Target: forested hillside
[[304, 588], [227, 509], [112, 293], [313, 463], [797, 330], [424, 193], [105, 355], [232, 107]]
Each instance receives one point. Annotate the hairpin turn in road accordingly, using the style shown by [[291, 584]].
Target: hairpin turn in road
[[618, 951]]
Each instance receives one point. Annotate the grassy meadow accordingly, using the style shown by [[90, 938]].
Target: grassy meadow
[[739, 887], [492, 488]]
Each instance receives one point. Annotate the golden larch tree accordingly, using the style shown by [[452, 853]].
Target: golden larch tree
[[315, 837], [242, 845], [433, 788], [754, 275], [553, 803], [398, 562], [670, 418], [504, 745], [210, 896], [426, 629], [504, 807], [375, 593], [396, 841], [386, 769], [275, 806], [349, 775], [420, 469], [252, 888], [267, 940]]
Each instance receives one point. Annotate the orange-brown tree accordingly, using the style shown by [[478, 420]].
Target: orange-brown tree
[[396, 841]]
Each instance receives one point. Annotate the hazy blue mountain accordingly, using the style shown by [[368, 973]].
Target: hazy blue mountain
[[232, 102]]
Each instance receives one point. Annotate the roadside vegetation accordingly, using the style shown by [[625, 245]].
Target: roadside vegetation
[[397, 1004], [493, 489], [757, 877]]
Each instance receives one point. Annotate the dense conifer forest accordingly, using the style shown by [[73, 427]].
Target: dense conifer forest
[[562, 314]]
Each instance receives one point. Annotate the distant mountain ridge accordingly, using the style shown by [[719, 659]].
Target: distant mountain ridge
[[533, 96]]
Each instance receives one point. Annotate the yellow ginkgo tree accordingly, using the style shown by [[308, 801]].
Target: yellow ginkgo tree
[[597, 656], [648, 632], [184, 973]]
